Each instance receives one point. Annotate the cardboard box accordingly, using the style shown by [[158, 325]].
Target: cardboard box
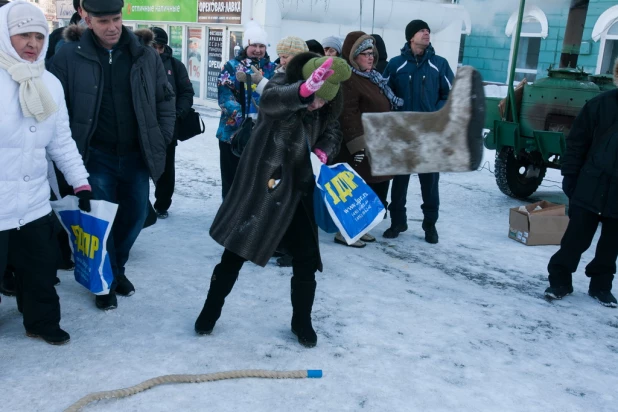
[[541, 227]]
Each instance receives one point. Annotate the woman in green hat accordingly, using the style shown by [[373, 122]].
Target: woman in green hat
[[271, 199]]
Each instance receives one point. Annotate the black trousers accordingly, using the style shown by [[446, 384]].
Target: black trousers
[[228, 163], [577, 239], [429, 191], [165, 185], [32, 252], [300, 242]]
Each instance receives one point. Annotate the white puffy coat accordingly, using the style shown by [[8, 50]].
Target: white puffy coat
[[24, 142]]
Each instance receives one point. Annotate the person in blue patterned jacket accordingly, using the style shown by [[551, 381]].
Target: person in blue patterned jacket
[[252, 62]]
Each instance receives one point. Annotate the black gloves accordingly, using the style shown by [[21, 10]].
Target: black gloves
[[84, 196], [568, 185]]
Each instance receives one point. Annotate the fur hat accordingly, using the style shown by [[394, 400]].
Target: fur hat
[[292, 46], [414, 27], [254, 34], [26, 18], [334, 43], [329, 89]]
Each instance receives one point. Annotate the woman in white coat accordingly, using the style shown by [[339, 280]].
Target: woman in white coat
[[34, 125]]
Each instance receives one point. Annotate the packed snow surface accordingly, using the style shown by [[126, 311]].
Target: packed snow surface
[[402, 325]]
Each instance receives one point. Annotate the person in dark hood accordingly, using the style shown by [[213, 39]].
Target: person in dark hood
[[423, 80], [382, 55], [253, 62], [179, 79], [56, 38], [315, 47], [271, 200]]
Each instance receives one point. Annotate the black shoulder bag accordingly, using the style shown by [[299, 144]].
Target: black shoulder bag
[[190, 125], [241, 137]]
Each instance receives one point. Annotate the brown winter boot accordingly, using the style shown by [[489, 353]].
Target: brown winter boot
[[303, 293], [221, 285]]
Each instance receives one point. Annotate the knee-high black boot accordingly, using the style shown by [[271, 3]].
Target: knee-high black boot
[[303, 293], [221, 284]]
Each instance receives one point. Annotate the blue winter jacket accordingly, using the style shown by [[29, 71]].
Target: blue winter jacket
[[423, 84], [229, 94]]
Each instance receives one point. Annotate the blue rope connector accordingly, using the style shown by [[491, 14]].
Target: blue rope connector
[[316, 373]]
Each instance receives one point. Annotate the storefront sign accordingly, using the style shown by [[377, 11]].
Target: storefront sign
[[215, 58], [64, 9], [194, 59], [225, 12], [160, 10]]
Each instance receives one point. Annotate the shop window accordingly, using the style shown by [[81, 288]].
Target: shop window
[[195, 42], [175, 41]]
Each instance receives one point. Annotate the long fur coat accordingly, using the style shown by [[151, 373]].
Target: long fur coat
[[253, 218]]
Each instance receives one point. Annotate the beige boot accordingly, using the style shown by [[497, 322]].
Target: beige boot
[[339, 239]]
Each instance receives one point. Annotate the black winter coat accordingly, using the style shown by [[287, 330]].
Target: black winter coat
[[253, 219], [591, 156], [78, 68], [382, 54]]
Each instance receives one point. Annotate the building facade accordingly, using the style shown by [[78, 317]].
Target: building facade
[[205, 34], [552, 29]]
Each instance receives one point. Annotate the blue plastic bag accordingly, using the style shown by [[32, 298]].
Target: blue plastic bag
[[88, 233], [353, 208]]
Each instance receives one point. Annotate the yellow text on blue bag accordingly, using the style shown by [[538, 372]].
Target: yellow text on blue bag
[[86, 243]]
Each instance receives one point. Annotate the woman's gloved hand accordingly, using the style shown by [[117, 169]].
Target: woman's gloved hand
[[84, 194], [321, 155], [568, 185], [317, 79]]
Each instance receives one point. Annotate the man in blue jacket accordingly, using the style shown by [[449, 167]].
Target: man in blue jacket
[[423, 80]]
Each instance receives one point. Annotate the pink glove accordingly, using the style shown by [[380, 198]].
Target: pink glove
[[317, 78], [321, 155]]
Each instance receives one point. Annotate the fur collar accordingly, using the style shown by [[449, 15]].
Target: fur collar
[[146, 36], [73, 33], [616, 73]]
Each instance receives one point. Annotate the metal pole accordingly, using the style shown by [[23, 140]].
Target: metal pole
[[373, 22], [360, 27], [517, 34]]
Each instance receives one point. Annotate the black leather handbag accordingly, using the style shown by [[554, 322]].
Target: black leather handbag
[[190, 125], [241, 137]]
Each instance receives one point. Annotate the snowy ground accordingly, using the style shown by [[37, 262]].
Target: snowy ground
[[402, 325]]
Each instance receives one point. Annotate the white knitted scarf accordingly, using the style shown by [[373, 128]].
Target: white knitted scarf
[[35, 99]]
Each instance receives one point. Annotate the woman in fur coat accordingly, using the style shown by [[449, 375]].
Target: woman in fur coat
[[365, 92], [270, 201]]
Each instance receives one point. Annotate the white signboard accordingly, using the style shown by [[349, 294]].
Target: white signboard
[[64, 9]]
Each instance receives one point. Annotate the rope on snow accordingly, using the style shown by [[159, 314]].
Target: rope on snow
[[209, 377]]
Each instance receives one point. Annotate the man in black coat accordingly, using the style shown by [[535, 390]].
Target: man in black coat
[[590, 170], [179, 79], [122, 114]]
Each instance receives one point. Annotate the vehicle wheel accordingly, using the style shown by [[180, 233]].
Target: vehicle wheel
[[511, 177]]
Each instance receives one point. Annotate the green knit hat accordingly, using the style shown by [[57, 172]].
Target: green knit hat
[[329, 89]]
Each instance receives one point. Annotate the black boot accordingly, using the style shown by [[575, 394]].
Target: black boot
[[53, 337], [124, 287], [601, 289], [106, 302], [221, 285], [431, 233], [303, 293]]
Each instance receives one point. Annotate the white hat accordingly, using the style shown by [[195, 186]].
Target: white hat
[[254, 34], [26, 18]]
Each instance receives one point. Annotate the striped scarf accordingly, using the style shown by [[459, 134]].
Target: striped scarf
[[377, 79]]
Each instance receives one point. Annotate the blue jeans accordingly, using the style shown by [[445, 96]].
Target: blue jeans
[[123, 180], [429, 191]]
